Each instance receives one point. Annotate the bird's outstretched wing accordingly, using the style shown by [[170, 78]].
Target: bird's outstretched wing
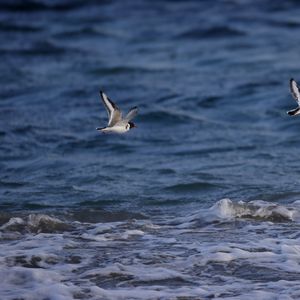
[[114, 113], [294, 112], [132, 113], [295, 90]]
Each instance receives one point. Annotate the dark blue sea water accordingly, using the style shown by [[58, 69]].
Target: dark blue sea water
[[201, 201]]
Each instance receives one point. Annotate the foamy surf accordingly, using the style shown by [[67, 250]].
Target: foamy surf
[[234, 250]]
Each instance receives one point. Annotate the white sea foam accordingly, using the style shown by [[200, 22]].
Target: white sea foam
[[231, 250], [139, 272], [33, 268], [34, 284]]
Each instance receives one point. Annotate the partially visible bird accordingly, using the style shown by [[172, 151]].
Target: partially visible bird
[[296, 94], [115, 123]]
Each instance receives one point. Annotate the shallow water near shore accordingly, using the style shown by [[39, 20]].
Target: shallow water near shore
[[201, 201]]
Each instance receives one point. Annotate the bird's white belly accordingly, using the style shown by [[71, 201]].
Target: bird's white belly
[[115, 129]]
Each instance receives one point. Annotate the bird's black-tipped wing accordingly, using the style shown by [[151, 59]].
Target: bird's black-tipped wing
[[295, 90], [114, 113], [132, 113], [294, 112]]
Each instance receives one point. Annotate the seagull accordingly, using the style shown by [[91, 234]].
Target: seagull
[[115, 123], [296, 94]]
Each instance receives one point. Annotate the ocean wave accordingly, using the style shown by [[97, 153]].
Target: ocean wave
[[191, 187], [226, 211], [23, 28], [257, 210], [45, 47], [84, 32], [32, 6], [211, 33], [11, 184], [260, 210], [35, 223], [130, 69], [290, 24], [209, 101]]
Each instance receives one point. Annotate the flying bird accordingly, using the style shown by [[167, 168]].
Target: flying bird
[[296, 94], [117, 124]]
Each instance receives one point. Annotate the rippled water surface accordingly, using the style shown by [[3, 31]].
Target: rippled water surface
[[201, 201]]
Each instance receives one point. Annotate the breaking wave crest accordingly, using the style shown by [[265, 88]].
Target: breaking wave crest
[[34, 223], [227, 210], [257, 209]]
